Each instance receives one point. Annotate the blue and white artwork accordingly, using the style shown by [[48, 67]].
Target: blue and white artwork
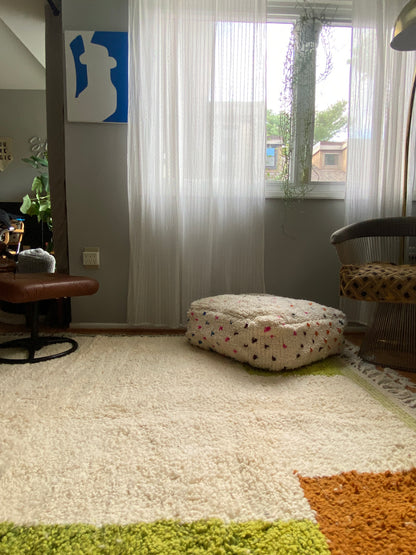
[[96, 76]]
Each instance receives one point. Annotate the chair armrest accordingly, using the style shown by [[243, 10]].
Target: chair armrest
[[378, 227]]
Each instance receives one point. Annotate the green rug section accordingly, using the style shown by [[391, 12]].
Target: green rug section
[[166, 538], [332, 366], [336, 366], [381, 395]]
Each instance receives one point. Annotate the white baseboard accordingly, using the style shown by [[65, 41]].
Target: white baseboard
[[115, 326], [99, 325], [355, 328]]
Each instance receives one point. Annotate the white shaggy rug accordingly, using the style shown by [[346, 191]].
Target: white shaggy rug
[[131, 429]]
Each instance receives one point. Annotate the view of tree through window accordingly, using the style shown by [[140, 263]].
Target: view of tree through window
[[302, 148]]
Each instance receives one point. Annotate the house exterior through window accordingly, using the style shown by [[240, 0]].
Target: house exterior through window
[[308, 53]]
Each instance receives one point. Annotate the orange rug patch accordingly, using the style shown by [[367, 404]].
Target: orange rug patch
[[365, 513]]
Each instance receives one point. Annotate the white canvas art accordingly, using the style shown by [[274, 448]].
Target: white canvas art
[[96, 76]]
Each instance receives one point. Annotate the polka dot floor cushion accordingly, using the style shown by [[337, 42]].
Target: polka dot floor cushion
[[274, 333]]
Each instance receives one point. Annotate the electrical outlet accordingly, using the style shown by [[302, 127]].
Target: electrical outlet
[[91, 257]]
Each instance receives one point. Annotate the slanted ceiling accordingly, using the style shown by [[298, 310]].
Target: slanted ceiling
[[22, 44]]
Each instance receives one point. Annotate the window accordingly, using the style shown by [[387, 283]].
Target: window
[[308, 66], [331, 160], [271, 157]]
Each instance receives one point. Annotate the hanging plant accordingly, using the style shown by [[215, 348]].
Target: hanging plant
[[298, 99]]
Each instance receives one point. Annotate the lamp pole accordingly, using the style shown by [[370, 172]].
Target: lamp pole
[[407, 146]]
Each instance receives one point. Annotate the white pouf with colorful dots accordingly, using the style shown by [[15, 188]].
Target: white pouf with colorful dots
[[274, 333]]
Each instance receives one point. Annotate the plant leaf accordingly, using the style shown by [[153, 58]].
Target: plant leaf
[[42, 162], [37, 185], [44, 205], [36, 162], [30, 161], [44, 177], [26, 204]]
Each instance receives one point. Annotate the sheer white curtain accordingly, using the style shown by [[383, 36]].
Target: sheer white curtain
[[196, 147], [380, 88]]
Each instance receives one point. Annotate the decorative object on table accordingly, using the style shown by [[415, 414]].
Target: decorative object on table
[[14, 236], [174, 448], [274, 333], [36, 260]]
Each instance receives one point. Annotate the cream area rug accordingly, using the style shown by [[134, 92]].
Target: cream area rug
[[140, 429]]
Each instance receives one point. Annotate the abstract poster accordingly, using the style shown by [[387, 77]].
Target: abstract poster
[[96, 76]]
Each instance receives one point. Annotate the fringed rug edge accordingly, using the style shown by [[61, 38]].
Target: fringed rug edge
[[397, 389]]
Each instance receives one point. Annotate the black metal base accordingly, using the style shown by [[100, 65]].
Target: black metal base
[[35, 343], [32, 346]]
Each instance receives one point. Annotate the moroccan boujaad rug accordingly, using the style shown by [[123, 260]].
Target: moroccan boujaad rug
[[150, 445]]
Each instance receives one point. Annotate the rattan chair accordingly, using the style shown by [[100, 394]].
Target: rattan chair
[[378, 260]]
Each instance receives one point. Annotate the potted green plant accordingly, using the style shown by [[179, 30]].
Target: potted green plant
[[38, 202]]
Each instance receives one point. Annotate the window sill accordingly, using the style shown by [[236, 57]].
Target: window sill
[[319, 190]]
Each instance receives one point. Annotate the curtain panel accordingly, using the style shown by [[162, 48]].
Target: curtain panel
[[379, 101], [196, 147]]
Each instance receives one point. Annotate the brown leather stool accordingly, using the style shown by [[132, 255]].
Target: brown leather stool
[[32, 288]]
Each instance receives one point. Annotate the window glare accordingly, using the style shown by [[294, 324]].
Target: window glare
[[336, 85], [278, 37]]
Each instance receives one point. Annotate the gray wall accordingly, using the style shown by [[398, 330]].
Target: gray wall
[[300, 262], [96, 184], [22, 116]]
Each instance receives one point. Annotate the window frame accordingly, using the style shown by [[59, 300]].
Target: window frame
[[286, 11]]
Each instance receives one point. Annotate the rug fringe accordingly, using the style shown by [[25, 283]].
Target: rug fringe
[[398, 387]]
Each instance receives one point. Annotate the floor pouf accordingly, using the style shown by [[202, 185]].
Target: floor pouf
[[273, 333]]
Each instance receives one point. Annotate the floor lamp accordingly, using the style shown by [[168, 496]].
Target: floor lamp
[[404, 39]]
